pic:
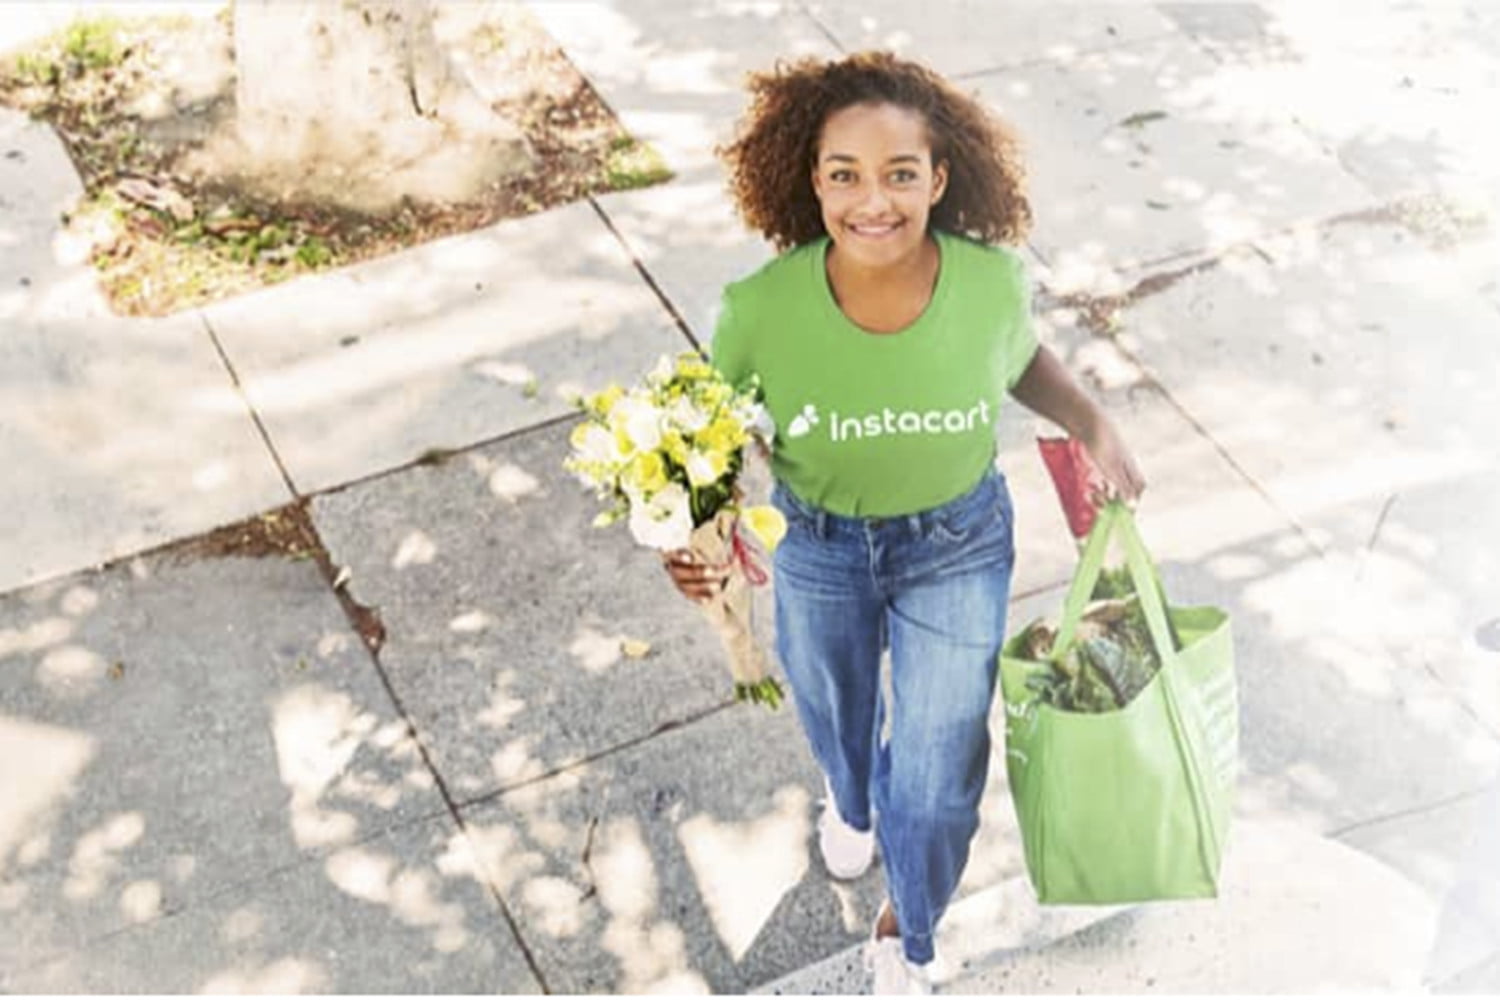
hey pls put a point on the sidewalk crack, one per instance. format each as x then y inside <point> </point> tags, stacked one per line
<point>239,388</point>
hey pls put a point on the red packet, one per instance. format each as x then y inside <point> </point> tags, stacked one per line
<point>1076,481</point>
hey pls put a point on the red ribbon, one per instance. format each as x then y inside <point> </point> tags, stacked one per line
<point>749,563</point>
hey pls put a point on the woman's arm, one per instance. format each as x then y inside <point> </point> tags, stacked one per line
<point>1048,390</point>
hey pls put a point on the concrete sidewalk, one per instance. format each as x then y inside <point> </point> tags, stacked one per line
<point>210,781</point>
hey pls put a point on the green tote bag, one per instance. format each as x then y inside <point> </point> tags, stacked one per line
<point>1134,804</point>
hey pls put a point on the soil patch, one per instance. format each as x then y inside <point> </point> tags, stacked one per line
<point>134,100</point>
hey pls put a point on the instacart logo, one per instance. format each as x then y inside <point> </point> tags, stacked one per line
<point>887,422</point>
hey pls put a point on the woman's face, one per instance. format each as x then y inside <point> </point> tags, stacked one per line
<point>876,182</point>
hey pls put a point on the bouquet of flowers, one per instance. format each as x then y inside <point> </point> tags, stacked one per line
<point>666,456</point>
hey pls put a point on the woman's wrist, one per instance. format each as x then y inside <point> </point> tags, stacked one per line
<point>1089,422</point>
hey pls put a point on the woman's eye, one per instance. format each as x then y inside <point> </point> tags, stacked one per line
<point>841,176</point>
<point>903,176</point>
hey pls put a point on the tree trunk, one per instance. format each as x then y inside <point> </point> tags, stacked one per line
<point>354,102</point>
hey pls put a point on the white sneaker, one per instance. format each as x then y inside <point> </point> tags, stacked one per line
<point>894,975</point>
<point>847,852</point>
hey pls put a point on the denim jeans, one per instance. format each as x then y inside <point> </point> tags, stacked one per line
<point>932,588</point>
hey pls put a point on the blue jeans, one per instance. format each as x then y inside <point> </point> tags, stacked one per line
<point>932,588</point>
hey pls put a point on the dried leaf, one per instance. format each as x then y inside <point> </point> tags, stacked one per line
<point>635,648</point>
<point>1141,118</point>
<point>163,199</point>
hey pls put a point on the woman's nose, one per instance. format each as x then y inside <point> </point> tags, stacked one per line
<point>874,196</point>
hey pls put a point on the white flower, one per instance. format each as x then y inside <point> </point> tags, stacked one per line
<point>758,419</point>
<point>701,469</point>
<point>595,444</point>
<point>687,416</point>
<point>641,420</point>
<point>662,371</point>
<point>663,522</point>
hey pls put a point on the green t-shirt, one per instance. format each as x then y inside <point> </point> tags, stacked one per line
<point>877,425</point>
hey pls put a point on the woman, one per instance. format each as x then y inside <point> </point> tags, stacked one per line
<point>885,336</point>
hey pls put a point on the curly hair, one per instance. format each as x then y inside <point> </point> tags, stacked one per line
<point>772,157</point>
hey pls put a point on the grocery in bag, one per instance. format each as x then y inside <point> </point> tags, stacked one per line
<point>1124,804</point>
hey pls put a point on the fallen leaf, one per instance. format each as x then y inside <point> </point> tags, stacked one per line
<point>159,197</point>
<point>635,648</point>
<point>116,671</point>
<point>1141,118</point>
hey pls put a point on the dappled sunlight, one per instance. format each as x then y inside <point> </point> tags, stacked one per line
<point>96,854</point>
<point>141,901</point>
<point>416,549</point>
<point>505,372</point>
<point>511,482</point>
<point>472,622</point>
<point>317,732</point>
<point>71,672</point>
<point>493,852</point>
<point>595,651</point>
<point>504,705</point>
<point>652,953</point>
<point>685,73</point>
<point>39,767</point>
<point>1146,110</point>
<point>412,896</point>
<point>280,976</point>
<point>744,869</point>
<point>534,307</point>
<point>516,761</point>
<point>35,637</point>
<point>558,904</point>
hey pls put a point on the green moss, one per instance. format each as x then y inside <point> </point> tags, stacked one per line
<point>630,164</point>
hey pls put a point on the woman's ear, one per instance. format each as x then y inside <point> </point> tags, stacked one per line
<point>939,181</point>
<point>817,181</point>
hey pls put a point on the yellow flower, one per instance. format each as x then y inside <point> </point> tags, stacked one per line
<point>723,435</point>
<point>675,447</point>
<point>691,366</point>
<point>646,474</point>
<point>604,401</point>
<point>766,523</point>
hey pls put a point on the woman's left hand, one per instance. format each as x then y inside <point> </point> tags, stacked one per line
<point>1122,477</point>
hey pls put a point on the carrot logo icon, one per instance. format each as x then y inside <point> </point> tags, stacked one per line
<point>803,422</point>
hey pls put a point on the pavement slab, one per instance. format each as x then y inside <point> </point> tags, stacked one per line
<point>44,270</point>
<point>1450,851</point>
<point>403,912</point>
<point>966,37</point>
<point>1398,93</point>
<point>684,864</point>
<point>1342,395</point>
<point>1418,582</point>
<point>172,729</point>
<point>674,74</point>
<point>1142,153</point>
<point>117,436</point>
<point>442,346</point>
<point>1368,433</point>
<point>504,613</point>
<point>1281,889</point>
<point>673,71</point>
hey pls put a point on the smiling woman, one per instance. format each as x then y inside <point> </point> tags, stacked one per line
<point>894,319</point>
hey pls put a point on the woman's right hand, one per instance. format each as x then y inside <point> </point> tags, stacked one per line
<point>698,581</point>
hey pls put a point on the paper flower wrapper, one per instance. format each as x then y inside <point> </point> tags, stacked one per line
<point>716,542</point>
